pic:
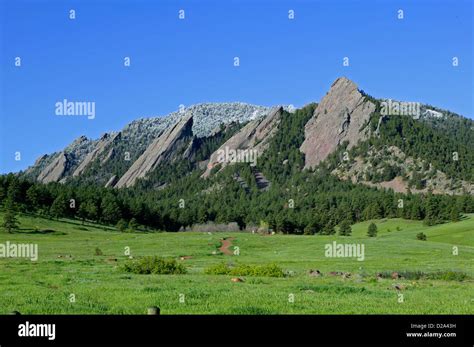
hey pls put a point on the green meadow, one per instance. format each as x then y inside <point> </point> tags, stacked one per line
<point>78,271</point>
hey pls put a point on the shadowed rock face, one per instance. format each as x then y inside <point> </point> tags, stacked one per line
<point>101,145</point>
<point>340,116</point>
<point>166,147</point>
<point>112,180</point>
<point>55,170</point>
<point>59,165</point>
<point>254,136</point>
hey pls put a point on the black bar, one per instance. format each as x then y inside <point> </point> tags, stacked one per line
<point>223,330</point>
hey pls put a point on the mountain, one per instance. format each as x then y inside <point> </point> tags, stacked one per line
<point>384,143</point>
<point>114,153</point>
<point>342,115</point>
<point>351,157</point>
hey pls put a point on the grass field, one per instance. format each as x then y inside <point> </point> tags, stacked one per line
<point>68,264</point>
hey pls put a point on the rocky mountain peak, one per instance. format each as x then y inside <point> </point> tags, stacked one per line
<point>340,116</point>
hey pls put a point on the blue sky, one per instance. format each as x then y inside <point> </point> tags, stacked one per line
<point>190,61</point>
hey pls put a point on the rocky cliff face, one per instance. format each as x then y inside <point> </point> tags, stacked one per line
<point>340,116</point>
<point>192,134</point>
<point>57,166</point>
<point>99,147</point>
<point>116,152</point>
<point>165,147</point>
<point>55,170</point>
<point>251,140</point>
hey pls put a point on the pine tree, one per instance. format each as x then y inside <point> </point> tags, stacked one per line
<point>345,228</point>
<point>110,209</point>
<point>432,210</point>
<point>416,212</point>
<point>10,222</point>
<point>372,231</point>
<point>87,210</point>
<point>32,197</point>
<point>328,229</point>
<point>14,191</point>
<point>59,208</point>
<point>455,216</point>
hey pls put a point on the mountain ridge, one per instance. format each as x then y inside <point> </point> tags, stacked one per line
<point>345,117</point>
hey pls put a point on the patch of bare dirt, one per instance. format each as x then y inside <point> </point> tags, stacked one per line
<point>226,243</point>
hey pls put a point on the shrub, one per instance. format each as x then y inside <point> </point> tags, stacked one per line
<point>437,275</point>
<point>269,270</point>
<point>154,265</point>
<point>308,230</point>
<point>218,269</point>
<point>122,225</point>
<point>133,224</point>
<point>421,236</point>
<point>448,276</point>
<point>408,275</point>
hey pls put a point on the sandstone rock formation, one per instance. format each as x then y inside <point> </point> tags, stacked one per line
<point>254,136</point>
<point>100,146</point>
<point>137,136</point>
<point>58,166</point>
<point>165,147</point>
<point>55,170</point>
<point>340,116</point>
<point>111,182</point>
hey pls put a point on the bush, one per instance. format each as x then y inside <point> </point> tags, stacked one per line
<point>133,224</point>
<point>122,225</point>
<point>269,270</point>
<point>421,236</point>
<point>448,276</point>
<point>437,275</point>
<point>154,265</point>
<point>218,269</point>
<point>407,275</point>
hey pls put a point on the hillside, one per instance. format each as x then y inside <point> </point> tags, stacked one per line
<point>86,260</point>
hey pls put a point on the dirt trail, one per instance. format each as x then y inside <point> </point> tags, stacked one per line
<point>225,244</point>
